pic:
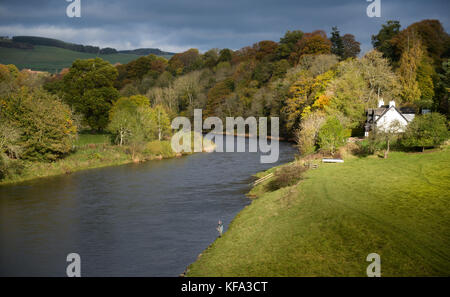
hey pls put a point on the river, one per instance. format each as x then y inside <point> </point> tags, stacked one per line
<point>148,219</point>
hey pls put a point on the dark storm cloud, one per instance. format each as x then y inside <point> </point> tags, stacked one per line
<point>181,24</point>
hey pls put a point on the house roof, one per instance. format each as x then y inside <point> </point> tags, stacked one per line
<point>409,116</point>
<point>386,110</point>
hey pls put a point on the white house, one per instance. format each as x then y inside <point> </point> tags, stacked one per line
<point>384,116</point>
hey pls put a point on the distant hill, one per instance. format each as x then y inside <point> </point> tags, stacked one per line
<point>35,40</point>
<point>53,59</point>
<point>52,55</point>
<point>147,51</point>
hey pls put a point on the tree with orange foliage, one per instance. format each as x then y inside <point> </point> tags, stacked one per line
<point>314,43</point>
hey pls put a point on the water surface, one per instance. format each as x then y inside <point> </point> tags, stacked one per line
<point>149,219</point>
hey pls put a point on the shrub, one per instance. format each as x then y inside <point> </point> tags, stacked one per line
<point>47,131</point>
<point>286,176</point>
<point>426,131</point>
<point>332,135</point>
<point>156,148</point>
<point>306,136</point>
<point>9,167</point>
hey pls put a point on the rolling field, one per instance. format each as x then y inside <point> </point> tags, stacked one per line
<point>53,59</point>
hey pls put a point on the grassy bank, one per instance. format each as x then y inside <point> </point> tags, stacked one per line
<point>329,222</point>
<point>95,151</point>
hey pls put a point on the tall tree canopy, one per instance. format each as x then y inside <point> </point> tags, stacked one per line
<point>88,88</point>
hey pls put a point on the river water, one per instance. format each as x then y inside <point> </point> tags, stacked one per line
<point>148,219</point>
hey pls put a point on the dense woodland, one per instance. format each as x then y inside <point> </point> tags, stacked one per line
<point>316,84</point>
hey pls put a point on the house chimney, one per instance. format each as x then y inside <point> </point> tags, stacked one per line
<point>392,103</point>
<point>380,103</point>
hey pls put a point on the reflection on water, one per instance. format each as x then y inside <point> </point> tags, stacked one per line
<point>149,219</point>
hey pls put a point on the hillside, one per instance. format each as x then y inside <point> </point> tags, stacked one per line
<point>52,59</point>
<point>148,51</point>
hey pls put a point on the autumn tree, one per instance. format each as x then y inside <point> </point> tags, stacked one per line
<point>381,80</point>
<point>184,62</point>
<point>352,48</point>
<point>432,36</point>
<point>407,71</point>
<point>217,95</point>
<point>314,43</point>
<point>306,135</point>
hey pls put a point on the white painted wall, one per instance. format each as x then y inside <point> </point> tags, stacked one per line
<point>388,118</point>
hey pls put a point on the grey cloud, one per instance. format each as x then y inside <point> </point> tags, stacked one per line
<point>181,24</point>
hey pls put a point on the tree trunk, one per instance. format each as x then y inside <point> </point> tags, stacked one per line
<point>423,149</point>
<point>386,152</point>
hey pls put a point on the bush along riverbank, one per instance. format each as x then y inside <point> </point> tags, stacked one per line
<point>325,221</point>
<point>91,151</point>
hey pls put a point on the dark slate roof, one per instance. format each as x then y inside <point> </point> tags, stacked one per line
<point>407,110</point>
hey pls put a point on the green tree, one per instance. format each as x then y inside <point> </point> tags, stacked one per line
<point>382,41</point>
<point>133,125</point>
<point>123,117</point>
<point>96,105</point>
<point>225,55</point>
<point>288,43</point>
<point>426,131</point>
<point>88,88</point>
<point>424,75</point>
<point>388,135</point>
<point>332,135</point>
<point>441,100</point>
<point>337,44</point>
<point>163,127</point>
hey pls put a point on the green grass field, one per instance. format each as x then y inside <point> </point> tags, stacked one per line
<point>52,59</point>
<point>87,138</point>
<point>328,223</point>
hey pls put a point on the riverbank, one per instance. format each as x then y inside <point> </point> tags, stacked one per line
<point>87,157</point>
<point>327,223</point>
<point>95,151</point>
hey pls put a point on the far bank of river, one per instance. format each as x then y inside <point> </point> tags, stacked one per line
<point>95,155</point>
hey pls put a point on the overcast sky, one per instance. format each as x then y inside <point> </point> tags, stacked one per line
<point>177,25</point>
